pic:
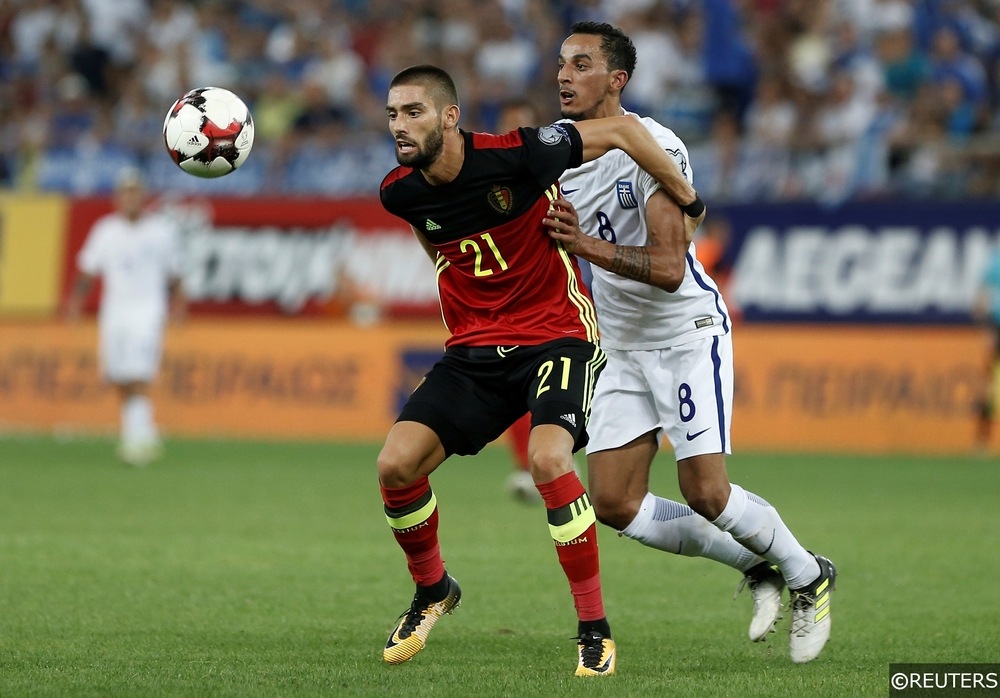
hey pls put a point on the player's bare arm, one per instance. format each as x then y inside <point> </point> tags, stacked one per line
<point>177,303</point>
<point>81,289</point>
<point>627,133</point>
<point>660,263</point>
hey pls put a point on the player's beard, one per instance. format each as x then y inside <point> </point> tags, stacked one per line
<point>426,154</point>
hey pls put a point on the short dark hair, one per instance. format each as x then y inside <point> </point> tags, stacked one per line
<point>436,80</point>
<point>618,49</point>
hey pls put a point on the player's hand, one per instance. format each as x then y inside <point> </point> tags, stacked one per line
<point>563,223</point>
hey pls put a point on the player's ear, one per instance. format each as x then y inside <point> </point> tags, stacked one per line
<point>451,114</point>
<point>619,78</point>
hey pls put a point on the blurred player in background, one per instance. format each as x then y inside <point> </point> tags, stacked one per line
<point>517,112</point>
<point>137,255</point>
<point>666,331</point>
<point>514,114</point>
<point>987,312</point>
<point>711,244</point>
<point>523,335</point>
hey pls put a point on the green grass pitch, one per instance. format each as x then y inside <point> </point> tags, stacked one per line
<point>242,569</point>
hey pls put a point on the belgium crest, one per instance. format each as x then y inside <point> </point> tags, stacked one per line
<point>501,198</point>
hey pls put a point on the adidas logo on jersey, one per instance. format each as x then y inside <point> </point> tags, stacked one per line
<point>431,225</point>
<point>569,417</point>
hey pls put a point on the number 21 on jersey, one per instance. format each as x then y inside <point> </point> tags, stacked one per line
<point>472,245</point>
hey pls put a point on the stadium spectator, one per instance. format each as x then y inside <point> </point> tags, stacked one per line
<point>950,63</point>
<point>74,114</point>
<point>698,58</point>
<point>506,57</point>
<point>890,16</point>
<point>91,61</point>
<point>30,29</point>
<point>723,172</point>
<point>917,143</point>
<point>667,335</point>
<point>338,69</point>
<point>119,26</point>
<point>904,66</point>
<point>523,335</point>
<point>652,32</point>
<point>172,25</point>
<point>276,107</point>
<point>769,129</point>
<point>136,254</point>
<point>837,128</point>
<point>729,64</point>
<point>856,57</point>
<point>319,123</point>
<point>690,102</point>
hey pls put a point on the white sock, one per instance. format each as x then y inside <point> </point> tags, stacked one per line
<point>137,421</point>
<point>677,528</point>
<point>129,424</point>
<point>755,524</point>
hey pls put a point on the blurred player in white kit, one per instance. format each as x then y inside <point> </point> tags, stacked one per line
<point>137,255</point>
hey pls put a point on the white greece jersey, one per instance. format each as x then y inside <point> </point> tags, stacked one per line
<point>610,194</point>
<point>135,261</point>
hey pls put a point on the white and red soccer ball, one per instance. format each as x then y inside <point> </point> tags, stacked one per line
<point>208,132</point>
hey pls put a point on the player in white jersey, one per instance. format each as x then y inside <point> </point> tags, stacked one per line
<point>666,331</point>
<point>138,258</point>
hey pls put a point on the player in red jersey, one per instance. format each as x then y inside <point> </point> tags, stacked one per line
<point>523,333</point>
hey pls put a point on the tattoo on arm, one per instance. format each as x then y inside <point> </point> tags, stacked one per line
<point>632,263</point>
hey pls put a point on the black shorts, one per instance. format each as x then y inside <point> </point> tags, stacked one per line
<point>473,394</point>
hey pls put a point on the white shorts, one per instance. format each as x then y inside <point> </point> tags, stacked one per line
<point>131,349</point>
<point>684,391</point>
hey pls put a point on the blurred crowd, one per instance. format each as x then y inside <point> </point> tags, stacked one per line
<point>822,100</point>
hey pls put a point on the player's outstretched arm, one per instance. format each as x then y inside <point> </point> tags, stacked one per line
<point>627,133</point>
<point>177,304</point>
<point>661,262</point>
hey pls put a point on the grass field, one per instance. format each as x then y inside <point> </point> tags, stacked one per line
<point>246,569</point>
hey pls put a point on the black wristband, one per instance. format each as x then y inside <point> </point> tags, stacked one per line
<point>695,208</point>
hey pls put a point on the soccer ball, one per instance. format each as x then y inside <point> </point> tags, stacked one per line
<point>208,132</point>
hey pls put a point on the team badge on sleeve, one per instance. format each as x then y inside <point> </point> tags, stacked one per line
<point>550,135</point>
<point>682,162</point>
<point>626,196</point>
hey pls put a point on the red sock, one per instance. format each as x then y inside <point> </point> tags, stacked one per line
<point>413,516</point>
<point>574,529</point>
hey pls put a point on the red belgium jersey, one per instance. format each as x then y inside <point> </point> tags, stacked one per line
<point>501,279</point>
